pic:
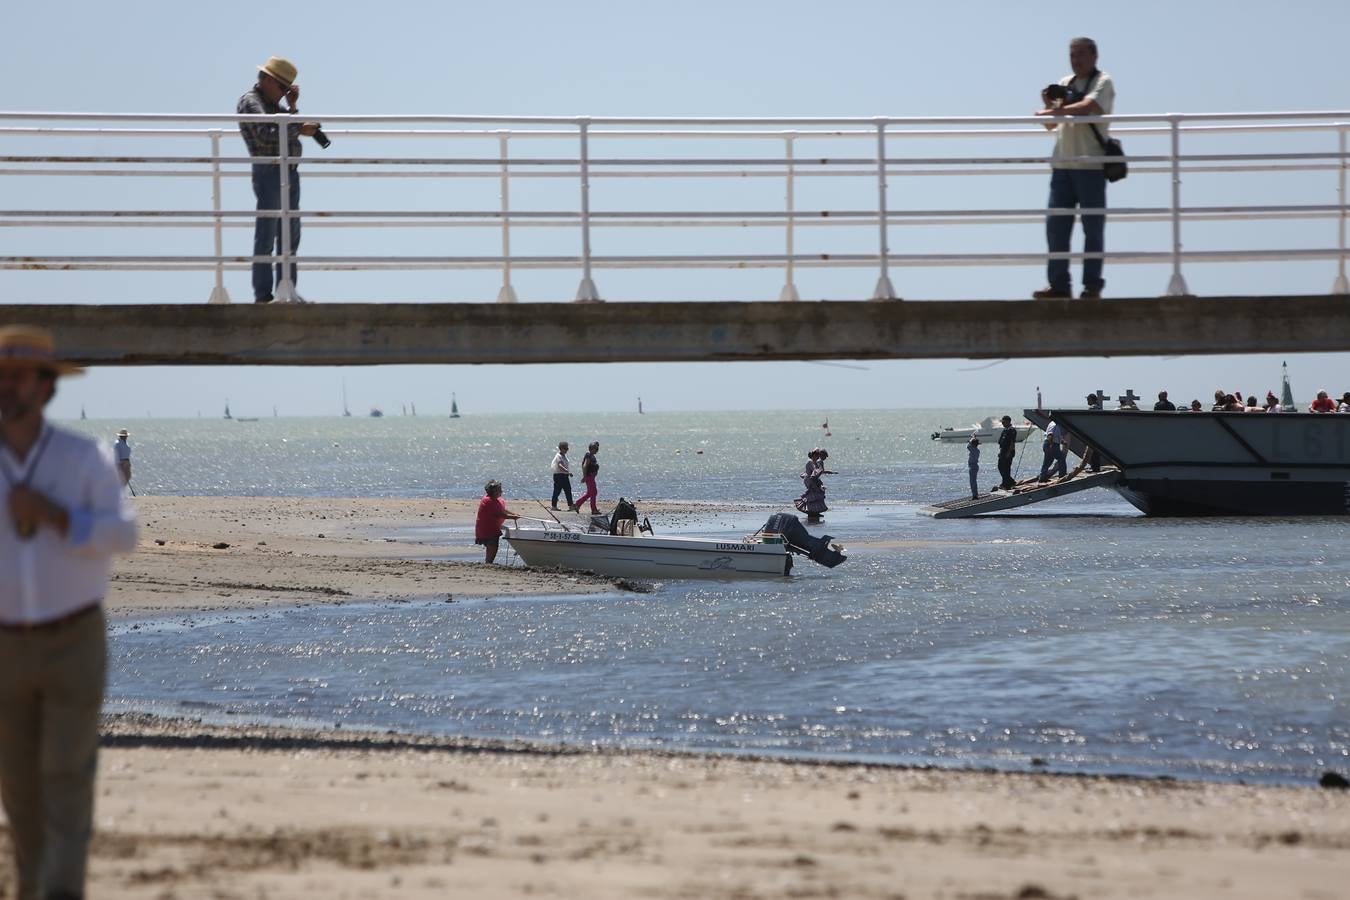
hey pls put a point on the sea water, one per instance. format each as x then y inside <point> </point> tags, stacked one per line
<point>1075,635</point>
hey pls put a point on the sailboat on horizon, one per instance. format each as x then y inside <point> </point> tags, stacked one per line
<point>345,411</point>
<point>227,409</point>
<point>454,407</point>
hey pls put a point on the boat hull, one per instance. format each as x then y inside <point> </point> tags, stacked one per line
<point>1223,464</point>
<point>649,557</point>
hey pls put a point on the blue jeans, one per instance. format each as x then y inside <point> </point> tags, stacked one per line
<point>267,231</point>
<point>1071,188</point>
<point>1055,463</point>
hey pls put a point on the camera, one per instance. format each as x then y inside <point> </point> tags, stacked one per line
<point>321,139</point>
<point>1061,93</point>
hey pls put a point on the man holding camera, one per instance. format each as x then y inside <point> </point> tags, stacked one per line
<point>1074,182</point>
<point>276,82</point>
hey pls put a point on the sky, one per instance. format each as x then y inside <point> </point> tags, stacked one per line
<point>696,58</point>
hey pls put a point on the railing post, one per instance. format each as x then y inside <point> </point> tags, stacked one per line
<point>789,292</point>
<point>1341,286</point>
<point>285,292</point>
<point>218,293</point>
<point>884,289</point>
<point>586,293</point>
<point>507,294</point>
<point>1176,287</point>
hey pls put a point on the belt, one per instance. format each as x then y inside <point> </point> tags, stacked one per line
<point>50,625</point>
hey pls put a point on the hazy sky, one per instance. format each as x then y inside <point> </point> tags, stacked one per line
<point>695,58</point>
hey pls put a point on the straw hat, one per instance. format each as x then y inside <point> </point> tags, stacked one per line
<point>27,345</point>
<point>124,433</point>
<point>282,70</point>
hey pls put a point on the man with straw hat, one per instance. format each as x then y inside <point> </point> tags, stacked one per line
<point>122,454</point>
<point>276,82</point>
<point>63,519</point>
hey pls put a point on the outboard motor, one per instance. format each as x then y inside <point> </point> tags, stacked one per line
<point>797,539</point>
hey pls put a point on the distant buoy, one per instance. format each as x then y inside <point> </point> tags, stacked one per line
<point>698,452</point>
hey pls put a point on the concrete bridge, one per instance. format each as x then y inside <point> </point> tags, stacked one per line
<point>403,333</point>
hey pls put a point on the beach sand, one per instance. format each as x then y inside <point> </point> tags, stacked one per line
<point>187,809</point>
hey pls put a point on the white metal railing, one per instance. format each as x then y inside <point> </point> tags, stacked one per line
<point>872,155</point>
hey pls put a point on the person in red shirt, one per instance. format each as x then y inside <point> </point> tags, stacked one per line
<point>1323,404</point>
<point>492,512</point>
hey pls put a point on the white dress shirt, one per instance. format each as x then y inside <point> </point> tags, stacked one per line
<point>50,575</point>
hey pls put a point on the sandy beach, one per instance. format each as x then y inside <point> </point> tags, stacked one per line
<point>189,809</point>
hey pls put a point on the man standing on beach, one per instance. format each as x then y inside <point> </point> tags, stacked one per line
<point>276,82</point>
<point>562,477</point>
<point>1073,183</point>
<point>65,516</point>
<point>1007,451</point>
<point>122,453</point>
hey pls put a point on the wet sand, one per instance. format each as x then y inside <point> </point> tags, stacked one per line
<point>187,809</point>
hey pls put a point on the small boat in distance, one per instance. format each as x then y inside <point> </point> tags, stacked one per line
<point>987,431</point>
<point>345,411</point>
<point>376,412</point>
<point>640,406</point>
<point>227,410</point>
<point>454,407</point>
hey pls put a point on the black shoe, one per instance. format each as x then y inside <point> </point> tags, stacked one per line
<point>555,509</point>
<point>267,299</point>
<point>1049,293</point>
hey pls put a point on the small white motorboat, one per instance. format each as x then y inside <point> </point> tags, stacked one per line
<point>613,546</point>
<point>987,431</point>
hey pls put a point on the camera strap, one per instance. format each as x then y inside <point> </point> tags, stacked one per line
<point>1087,89</point>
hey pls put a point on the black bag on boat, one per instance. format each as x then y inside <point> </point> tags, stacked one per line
<point>622,510</point>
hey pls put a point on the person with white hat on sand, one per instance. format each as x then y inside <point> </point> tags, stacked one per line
<point>122,453</point>
<point>64,517</point>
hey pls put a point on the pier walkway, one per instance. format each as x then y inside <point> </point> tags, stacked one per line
<point>125,232</point>
<point>965,507</point>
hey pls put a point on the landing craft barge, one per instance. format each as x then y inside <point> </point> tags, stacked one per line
<point>1220,463</point>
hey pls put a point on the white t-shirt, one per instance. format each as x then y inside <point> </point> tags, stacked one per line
<point>1078,140</point>
<point>122,451</point>
<point>560,466</point>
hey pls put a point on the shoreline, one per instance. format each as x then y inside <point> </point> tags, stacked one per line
<point>187,809</point>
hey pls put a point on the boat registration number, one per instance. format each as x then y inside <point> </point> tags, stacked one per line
<point>563,536</point>
<point>744,548</point>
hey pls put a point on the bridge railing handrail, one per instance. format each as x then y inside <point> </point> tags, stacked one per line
<point>583,166</point>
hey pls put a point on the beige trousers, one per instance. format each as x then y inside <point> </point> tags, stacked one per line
<point>51,693</point>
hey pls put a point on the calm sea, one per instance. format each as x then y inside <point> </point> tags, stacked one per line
<point>1076,633</point>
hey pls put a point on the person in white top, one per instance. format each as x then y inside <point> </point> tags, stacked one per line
<point>562,477</point>
<point>1074,181</point>
<point>122,453</point>
<point>65,516</point>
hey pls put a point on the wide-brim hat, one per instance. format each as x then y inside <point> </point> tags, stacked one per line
<point>28,345</point>
<point>281,69</point>
<point>124,433</point>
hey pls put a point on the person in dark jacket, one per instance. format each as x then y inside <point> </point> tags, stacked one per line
<point>973,461</point>
<point>1007,450</point>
